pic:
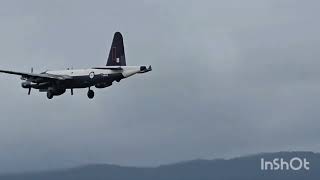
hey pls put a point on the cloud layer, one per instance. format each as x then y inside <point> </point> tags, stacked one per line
<point>230,78</point>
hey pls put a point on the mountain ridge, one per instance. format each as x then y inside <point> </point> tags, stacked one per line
<point>237,168</point>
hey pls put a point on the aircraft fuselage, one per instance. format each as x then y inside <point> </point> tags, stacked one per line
<point>84,78</point>
<point>99,77</point>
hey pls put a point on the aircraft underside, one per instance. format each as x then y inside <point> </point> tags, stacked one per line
<point>56,88</point>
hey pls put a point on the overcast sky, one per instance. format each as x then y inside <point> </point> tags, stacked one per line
<point>230,78</point>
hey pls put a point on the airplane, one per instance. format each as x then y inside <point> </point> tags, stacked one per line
<point>55,83</point>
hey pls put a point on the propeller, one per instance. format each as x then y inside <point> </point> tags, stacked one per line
<point>71,90</point>
<point>29,90</point>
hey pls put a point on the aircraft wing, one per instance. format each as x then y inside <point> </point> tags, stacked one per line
<point>33,75</point>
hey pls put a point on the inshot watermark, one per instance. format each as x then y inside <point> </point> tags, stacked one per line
<point>278,164</point>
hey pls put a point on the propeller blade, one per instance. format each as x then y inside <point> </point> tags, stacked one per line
<point>29,91</point>
<point>32,70</point>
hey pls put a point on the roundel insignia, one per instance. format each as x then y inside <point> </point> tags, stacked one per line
<point>91,75</point>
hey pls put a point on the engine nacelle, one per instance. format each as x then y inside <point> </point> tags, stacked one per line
<point>28,84</point>
<point>57,92</point>
<point>103,85</point>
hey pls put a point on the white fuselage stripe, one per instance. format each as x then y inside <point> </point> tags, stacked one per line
<point>125,70</point>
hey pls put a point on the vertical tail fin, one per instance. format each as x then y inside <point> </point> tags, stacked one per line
<point>116,55</point>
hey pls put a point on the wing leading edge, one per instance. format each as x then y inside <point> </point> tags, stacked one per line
<point>33,75</point>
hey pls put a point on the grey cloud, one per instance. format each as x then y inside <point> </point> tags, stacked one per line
<point>230,78</point>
